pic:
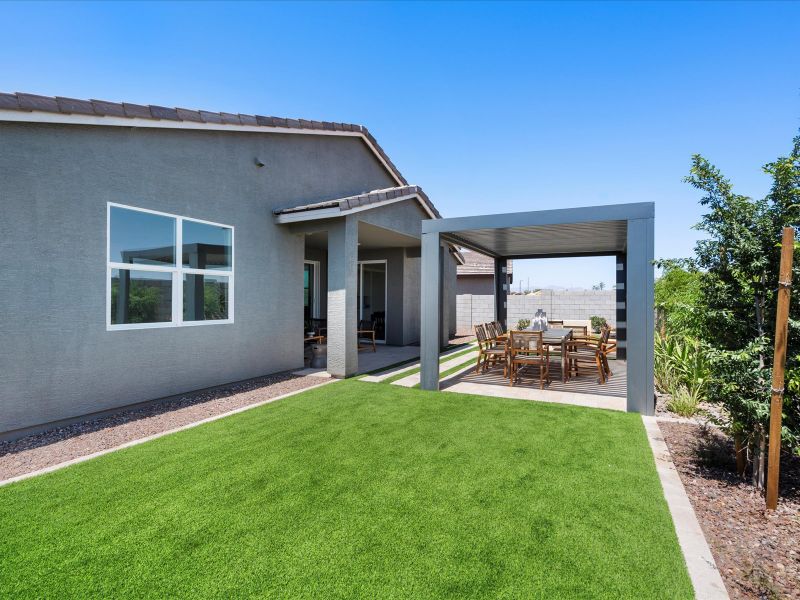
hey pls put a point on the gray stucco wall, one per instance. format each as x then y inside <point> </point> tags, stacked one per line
<point>57,360</point>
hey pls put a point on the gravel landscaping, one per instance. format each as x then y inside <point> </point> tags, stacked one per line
<point>80,439</point>
<point>756,551</point>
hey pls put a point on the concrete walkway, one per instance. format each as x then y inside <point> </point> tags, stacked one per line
<point>703,572</point>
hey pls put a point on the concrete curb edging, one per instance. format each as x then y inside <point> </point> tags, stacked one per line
<point>703,572</point>
<point>80,459</point>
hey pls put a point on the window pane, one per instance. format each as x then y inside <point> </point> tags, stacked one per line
<point>205,297</point>
<point>206,246</point>
<point>141,238</point>
<point>140,297</point>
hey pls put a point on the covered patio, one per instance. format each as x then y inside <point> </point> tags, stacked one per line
<point>624,231</point>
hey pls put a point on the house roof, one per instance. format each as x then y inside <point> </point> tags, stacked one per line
<point>363,201</point>
<point>13,107</point>
<point>479,264</point>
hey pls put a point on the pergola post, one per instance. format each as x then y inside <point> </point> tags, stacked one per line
<point>430,311</point>
<point>621,306</point>
<point>501,290</point>
<point>639,316</point>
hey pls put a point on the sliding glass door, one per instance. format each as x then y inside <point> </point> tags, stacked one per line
<point>372,296</point>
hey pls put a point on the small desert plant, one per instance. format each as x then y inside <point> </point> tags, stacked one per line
<point>681,362</point>
<point>523,324</point>
<point>684,402</point>
<point>598,323</point>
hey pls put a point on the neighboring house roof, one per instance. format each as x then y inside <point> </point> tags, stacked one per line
<point>479,264</point>
<point>101,112</point>
<point>340,206</point>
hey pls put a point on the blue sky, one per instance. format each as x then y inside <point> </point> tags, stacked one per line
<point>490,107</point>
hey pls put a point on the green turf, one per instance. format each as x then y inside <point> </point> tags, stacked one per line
<point>356,490</point>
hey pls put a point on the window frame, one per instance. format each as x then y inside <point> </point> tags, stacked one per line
<point>177,272</point>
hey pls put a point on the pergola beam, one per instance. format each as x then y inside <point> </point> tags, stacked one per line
<point>560,216</point>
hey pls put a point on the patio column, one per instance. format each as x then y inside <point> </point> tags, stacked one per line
<point>639,316</point>
<point>430,318</point>
<point>622,301</point>
<point>501,290</point>
<point>342,297</point>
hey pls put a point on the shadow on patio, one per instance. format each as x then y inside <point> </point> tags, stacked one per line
<point>581,391</point>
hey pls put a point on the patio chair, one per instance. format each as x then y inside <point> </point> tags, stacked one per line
<point>585,350</point>
<point>557,324</point>
<point>488,351</point>
<point>527,349</point>
<point>500,335</point>
<point>366,333</point>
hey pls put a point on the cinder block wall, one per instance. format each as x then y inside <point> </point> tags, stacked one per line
<point>558,304</point>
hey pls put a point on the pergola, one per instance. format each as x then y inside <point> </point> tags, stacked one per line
<point>624,231</point>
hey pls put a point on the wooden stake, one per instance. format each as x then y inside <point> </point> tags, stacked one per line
<point>781,330</point>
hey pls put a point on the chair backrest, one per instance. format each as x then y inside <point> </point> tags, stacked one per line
<point>480,333</point>
<point>365,325</point>
<point>498,327</point>
<point>558,324</point>
<point>491,330</point>
<point>605,332</point>
<point>526,342</point>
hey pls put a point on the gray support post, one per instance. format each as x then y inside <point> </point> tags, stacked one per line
<point>622,300</point>
<point>342,298</point>
<point>501,290</point>
<point>430,308</point>
<point>639,318</point>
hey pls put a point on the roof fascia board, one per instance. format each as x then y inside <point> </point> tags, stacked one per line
<point>336,211</point>
<point>560,216</point>
<point>77,119</point>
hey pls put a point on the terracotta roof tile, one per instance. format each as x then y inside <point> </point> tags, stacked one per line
<point>9,102</point>
<point>71,105</point>
<point>184,114</point>
<point>162,112</point>
<point>41,103</point>
<point>137,110</point>
<point>108,109</point>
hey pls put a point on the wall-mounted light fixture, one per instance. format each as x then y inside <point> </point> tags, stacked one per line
<point>259,162</point>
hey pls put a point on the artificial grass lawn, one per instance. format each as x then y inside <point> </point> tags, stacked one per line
<point>357,490</point>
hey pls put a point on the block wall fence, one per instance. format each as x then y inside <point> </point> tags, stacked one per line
<point>472,309</point>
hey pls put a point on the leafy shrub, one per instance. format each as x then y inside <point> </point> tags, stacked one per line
<point>683,402</point>
<point>598,323</point>
<point>523,324</point>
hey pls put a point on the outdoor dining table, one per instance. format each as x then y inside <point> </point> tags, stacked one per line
<point>555,337</point>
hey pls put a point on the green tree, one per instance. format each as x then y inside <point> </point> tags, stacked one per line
<point>737,292</point>
<point>678,300</point>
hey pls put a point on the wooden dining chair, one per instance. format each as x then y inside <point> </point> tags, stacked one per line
<point>500,339</point>
<point>527,349</point>
<point>556,324</point>
<point>488,351</point>
<point>366,333</point>
<point>585,350</point>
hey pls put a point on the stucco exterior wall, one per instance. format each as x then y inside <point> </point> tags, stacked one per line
<point>57,360</point>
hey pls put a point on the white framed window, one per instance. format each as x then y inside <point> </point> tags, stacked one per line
<point>166,270</point>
